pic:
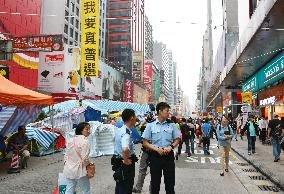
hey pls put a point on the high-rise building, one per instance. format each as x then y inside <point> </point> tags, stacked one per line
<point>148,39</point>
<point>175,81</point>
<point>161,59</point>
<point>125,33</point>
<point>63,17</point>
<point>171,96</point>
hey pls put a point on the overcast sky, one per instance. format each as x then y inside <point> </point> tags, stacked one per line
<point>184,38</point>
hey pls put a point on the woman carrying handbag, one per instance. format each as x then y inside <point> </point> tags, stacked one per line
<point>78,169</point>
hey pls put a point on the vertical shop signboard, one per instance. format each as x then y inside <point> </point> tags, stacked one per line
<point>89,38</point>
<point>128,91</point>
<point>137,67</point>
<point>148,72</point>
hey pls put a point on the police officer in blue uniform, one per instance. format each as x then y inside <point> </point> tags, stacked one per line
<point>124,157</point>
<point>164,137</point>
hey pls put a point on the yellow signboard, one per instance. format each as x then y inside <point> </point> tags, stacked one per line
<point>89,38</point>
<point>219,109</point>
<point>247,97</point>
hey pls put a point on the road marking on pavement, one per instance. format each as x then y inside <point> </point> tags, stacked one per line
<point>212,160</point>
<point>204,160</point>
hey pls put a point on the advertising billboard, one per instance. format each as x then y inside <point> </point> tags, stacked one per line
<point>140,95</point>
<point>58,72</point>
<point>38,43</point>
<point>112,83</point>
<point>93,85</point>
<point>89,38</point>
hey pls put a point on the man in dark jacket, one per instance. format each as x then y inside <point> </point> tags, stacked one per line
<point>185,131</point>
<point>275,128</point>
<point>252,130</point>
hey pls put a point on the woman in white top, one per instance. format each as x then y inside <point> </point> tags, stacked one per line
<point>76,160</point>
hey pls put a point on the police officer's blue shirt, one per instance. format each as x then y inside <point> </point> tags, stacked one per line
<point>161,134</point>
<point>123,139</point>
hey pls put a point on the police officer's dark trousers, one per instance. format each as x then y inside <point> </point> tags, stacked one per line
<point>165,164</point>
<point>126,186</point>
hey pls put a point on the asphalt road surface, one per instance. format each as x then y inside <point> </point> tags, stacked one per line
<point>195,174</point>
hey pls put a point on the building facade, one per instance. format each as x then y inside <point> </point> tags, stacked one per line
<point>63,17</point>
<point>148,39</point>
<point>125,31</point>
<point>245,58</point>
<point>161,59</point>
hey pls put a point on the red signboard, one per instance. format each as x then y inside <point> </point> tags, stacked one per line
<point>128,91</point>
<point>148,73</point>
<point>38,43</point>
<point>54,58</point>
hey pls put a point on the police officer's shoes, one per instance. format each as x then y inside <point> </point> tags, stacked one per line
<point>136,190</point>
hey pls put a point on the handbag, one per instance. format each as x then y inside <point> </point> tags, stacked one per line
<point>90,168</point>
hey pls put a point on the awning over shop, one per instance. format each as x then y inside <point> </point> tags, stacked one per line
<point>13,94</point>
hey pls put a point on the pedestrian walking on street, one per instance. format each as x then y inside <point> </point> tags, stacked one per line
<point>185,131</point>
<point>225,135</point>
<point>191,134</point>
<point>252,130</point>
<point>275,129</point>
<point>144,161</point>
<point>124,157</point>
<point>161,137</point>
<point>76,160</point>
<point>206,128</point>
<point>233,125</point>
<point>263,126</point>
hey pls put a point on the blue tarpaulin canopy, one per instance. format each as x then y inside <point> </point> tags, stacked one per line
<point>104,106</point>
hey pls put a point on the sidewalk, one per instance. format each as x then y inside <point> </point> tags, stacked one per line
<point>262,160</point>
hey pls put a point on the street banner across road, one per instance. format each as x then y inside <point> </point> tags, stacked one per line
<point>89,38</point>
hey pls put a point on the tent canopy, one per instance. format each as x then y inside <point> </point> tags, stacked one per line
<point>13,94</point>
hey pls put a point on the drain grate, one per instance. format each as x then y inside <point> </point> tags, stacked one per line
<point>269,188</point>
<point>249,170</point>
<point>243,164</point>
<point>258,177</point>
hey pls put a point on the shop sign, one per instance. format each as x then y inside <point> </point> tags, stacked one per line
<point>148,73</point>
<point>219,109</point>
<point>137,67</point>
<point>90,38</point>
<point>128,91</point>
<point>272,72</point>
<point>247,98</point>
<point>38,43</point>
<point>4,71</point>
<point>268,101</point>
<point>251,85</point>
